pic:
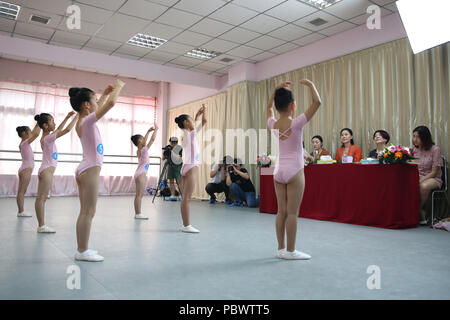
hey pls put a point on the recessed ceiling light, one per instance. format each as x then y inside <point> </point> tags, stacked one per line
<point>320,4</point>
<point>9,10</point>
<point>203,54</point>
<point>146,41</point>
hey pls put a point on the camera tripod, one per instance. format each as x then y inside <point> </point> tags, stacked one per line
<point>161,176</point>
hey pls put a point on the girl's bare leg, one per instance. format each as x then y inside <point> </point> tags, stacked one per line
<point>140,188</point>
<point>295,190</point>
<point>88,184</point>
<point>280,221</point>
<point>44,185</point>
<point>24,181</point>
<point>188,184</point>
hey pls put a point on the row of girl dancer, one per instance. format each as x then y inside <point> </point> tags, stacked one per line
<point>89,111</point>
<point>289,176</point>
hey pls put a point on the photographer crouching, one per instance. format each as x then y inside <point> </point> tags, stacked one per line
<point>218,180</point>
<point>241,186</point>
<point>174,167</point>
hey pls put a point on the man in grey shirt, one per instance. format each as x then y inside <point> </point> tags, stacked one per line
<point>218,182</point>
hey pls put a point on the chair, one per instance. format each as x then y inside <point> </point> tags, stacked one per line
<point>443,189</point>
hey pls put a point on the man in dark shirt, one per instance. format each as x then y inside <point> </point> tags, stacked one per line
<point>241,186</point>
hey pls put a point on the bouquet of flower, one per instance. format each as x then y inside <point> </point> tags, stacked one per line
<point>263,160</point>
<point>396,154</point>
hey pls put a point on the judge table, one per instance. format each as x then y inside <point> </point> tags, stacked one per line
<point>384,196</point>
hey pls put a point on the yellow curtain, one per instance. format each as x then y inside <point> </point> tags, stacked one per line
<point>384,87</point>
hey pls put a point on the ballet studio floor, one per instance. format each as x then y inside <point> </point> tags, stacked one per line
<point>232,258</point>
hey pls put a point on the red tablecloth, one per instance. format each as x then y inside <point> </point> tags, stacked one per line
<point>385,196</point>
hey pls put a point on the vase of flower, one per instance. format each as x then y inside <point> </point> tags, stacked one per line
<point>396,155</point>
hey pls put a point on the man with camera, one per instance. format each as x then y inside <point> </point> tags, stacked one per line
<point>241,186</point>
<point>218,181</point>
<point>174,167</point>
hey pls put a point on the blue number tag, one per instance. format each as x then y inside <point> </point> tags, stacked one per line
<point>197,157</point>
<point>100,148</point>
<point>55,155</point>
<point>146,167</point>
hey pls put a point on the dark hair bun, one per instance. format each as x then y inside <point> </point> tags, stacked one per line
<point>74,91</point>
<point>18,129</point>
<point>36,117</point>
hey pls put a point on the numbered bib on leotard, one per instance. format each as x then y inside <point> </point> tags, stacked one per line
<point>100,148</point>
<point>197,157</point>
<point>146,167</point>
<point>55,155</point>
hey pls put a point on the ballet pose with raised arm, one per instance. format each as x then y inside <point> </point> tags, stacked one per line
<point>84,101</point>
<point>49,161</point>
<point>191,159</point>
<point>27,166</point>
<point>140,176</point>
<point>289,178</point>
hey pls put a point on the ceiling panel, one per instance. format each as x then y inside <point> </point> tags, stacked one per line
<point>143,9</point>
<point>291,10</point>
<point>25,15</point>
<point>263,24</point>
<point>7,25</point>
<point>211,27</point>
<point>245,52</point>
<point>162,31</point>
<point>199,7</point>
<point>176,48</point>
<point>220,45</point>
<point>233,14</point>
<point>186,61</point>
<point>32,30</point>
<point>284,48</point>
<point>121,27</point>
<point>133,50</point>
<point>362,19</point>
<point>70,38</point>
<point>58,7</point>
<point>265,43</point>
<point>160,56</point>
<point>258,5</point>
<point>87,28</point>
<point>111,5</point>
<point>94,14</point>
<point>239,35</point>
<point>103,44</point>
<point>309,39</point>
<point>383,2</point>
<point>289,32</point>
<point>348,9</point>
<point>340,27</point>
<point>263,56</point>
<point>191,38</point>
<point>178,18</point>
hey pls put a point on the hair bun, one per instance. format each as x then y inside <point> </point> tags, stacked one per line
<point>74,91</point>
<point>177,119</point>
<point>18,129</point>
<point>36,117</point>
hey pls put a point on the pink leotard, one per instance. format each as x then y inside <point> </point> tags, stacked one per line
<point>191,153</point>
<point>91,142</point>
<point>143,163</point>
<point>290,160</point>
<point>49,153</point>
<point>27,155</point>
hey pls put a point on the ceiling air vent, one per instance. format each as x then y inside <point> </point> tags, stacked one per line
<point>318,22</point>
<point>226,60</point>
<point>39,19</point>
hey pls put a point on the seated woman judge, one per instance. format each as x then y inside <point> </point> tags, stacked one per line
<point>318,150</point>
<point>241,186</point>
<point>430,163</point>
<point>348,147</point>
<point>381,139</point>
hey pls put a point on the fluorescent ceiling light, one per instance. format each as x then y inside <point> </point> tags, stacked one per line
<point>203,54</point>
<point>9,10</point>
<point>320,4</point>
<point>426,22</point>
<point>146,41</point>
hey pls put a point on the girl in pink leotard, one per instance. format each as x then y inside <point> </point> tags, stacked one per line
<point>84,101</point>
<point>49,161</point>
<point>140,177</point>
<point>191,159</point>
<point>289,178</point>
<point>27,166</point>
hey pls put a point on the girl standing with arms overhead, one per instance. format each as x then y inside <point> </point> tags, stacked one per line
<point>289,175</point>
<point>84,101</point>
<point>191,159</point>
<point>27,166</point>
<point>49,162</point>
<point>140,177</point>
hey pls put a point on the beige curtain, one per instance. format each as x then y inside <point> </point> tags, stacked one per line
<point>384,87</point>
